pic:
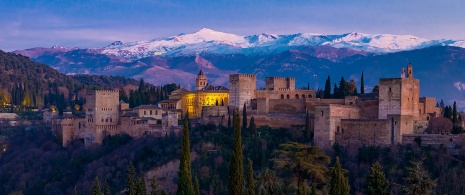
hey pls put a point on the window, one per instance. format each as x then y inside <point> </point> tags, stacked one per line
<point>310,96</point>
<point>145,112</point>
<point>303,96</point>
<point>322,113</point>
<point>102,119</point>
<point>282,96</point>
<point>296,96</point>
<point>287,96</point>
<point>150,112</point>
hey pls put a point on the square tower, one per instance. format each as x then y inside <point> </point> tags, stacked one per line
<point>279,83</point>
<point>102,114</point>
<point>241,89</point>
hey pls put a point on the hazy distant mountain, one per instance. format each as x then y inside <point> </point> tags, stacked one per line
<point>307,57</point>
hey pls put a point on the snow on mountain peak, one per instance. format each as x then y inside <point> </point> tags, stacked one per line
<point>211,41</point>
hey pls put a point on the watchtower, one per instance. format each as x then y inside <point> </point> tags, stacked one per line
<point>201,81</point>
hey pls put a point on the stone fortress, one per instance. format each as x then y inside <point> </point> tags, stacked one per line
<point>366,119</point>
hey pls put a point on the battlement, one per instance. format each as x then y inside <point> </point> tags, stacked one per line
<point>102,92</point>
<point>242,76</point>
<point>281,78</point>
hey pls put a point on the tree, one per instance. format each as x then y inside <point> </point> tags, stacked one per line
<point>418,181</point>
<point>305,162</point>
<point>335,91</point>
<point>313,190</point>
<point>244,117</point>
<point>236,168</point>
<point>250,179</point>
<point>96,187</point>
<point>327,91</point>
<point>196,186</point>
<point>376,182</point>
<point>439,125</point>
<point>154,186</point>
<point>362,85</point>
<point>229,121</point>
<point>185,173</point>
<point>106,188</point>
<point>375,89</point>
<point>352,85</point>
<point>454,114</point>
<point>339,184</point>
<point>268,183</point>
<point>131,182</point>
<point>141,188</point>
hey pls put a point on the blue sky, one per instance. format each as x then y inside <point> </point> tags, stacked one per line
<point>87,23</point>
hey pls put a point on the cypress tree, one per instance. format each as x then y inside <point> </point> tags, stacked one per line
<point>96,187</point>
<point>250,179</point>
<point>327,91</point>
<point>141,188</point>
<point>313,191</point>
<point>132,181</point>
<point>244,117</point>
<point>106,188</point>
<point>196,186</point>
<point>376,182</point>
<point>185,174</point>
<point>154,186</point>
<point>454,113</point>
<point>362,85</point>
<point>236,168</point>
<point>339,183</point>
<point>336,91</point>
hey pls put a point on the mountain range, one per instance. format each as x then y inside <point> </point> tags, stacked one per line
<point>310,58</point>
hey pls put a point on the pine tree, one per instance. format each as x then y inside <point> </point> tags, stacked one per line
<point>132,181</point>
<point>96,187</point>
<point>106,188</point>
<point>362,85</point>
<point>339,184</point>
<point>141,188</point>
<point>250,179</point>
<point>244,117</point>
<point>185,173</point>
<point>196,186</point>
<point>236,168</point>
<point>335,91</point>
<point>418,181</point>
<point>327,91</point>
<point>454,113</point>
<point>154,186</point>
<point>376,182</point>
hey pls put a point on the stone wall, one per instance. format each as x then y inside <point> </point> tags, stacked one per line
<point>279,83</point>
<point>285,94</point>
<point>364,132</point>
<point>287,106</point>
<point>215,115</point>
<point>278,120</point>
<point>328,119</point>
<point>436,140</point>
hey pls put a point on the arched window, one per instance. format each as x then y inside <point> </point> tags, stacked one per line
<point>322,113</point>
<point>310,96</point>
<point>296,96</point>
<point>303,96</point>
<point>338,129</point>
<point>282,96</point>
<point>287,96</point>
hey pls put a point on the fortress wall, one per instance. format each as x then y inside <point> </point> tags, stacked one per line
<point>364,132</point>
<point>215,115</point>
<point>389,97</point>
<point>280,120</point>
<point>369,109</point>
<point>241,89</point>
<point>410,97</point>
<point>287,106</point>
<point>276,83</point>
<point>328,119</point>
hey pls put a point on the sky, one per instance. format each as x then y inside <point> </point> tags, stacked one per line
<point>97,23</point>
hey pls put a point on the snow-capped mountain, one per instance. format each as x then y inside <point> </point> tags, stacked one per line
<point>210,41</point>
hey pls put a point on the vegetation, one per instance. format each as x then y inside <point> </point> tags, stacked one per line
<point>236,168</point>
<point>185,174</point>
<point>376,182</point>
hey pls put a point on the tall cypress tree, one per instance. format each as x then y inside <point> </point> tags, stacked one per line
<point>96,190</point>
<point>362,85</point>
<point>141,188</point>
<point>454,113</point>
<point>244,117</point>
<point>376,182</point>
<point>250,179</point>
<point>185,174</point>
<point>339,183</point>
<point>327,91</point>
<point>106,188</point>
<point>132,181</point>
<point>196,186</point>
<point>236,168</point>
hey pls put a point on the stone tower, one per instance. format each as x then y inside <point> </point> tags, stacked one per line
<point>102,114</point>
<point>399,96</point>
<point>201,81</point>
<point>241,89</point>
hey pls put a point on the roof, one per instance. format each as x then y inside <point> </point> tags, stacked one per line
<point>178,91</point>
<point>201,72</point>
<point>214,88</point>
<point>129,114</point>
<point>169,100</point>
<point>147,107</point>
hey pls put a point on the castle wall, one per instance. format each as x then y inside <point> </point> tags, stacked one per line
<point>215,115</point>
<point>287,106</point>
<point>278,120</point>
<point>328,120</point>
<point>285,94</point>
<point>364,132</point>
<point>102,110</point>
<point>279,83</point>
<point>410,97</point>
<point>241,89</point>
<point>369,109</point>
<point>389,97</point>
